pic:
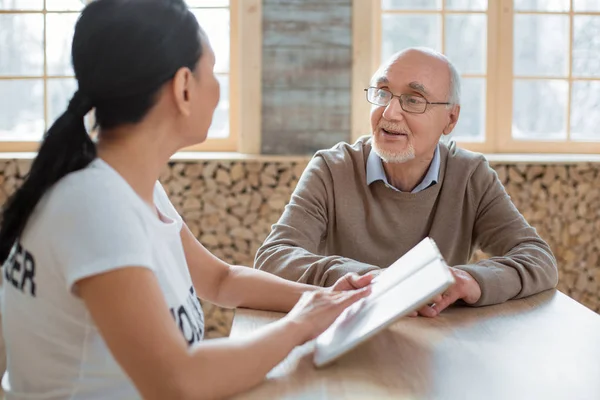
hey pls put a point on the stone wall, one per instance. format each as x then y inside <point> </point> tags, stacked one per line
<point>231,205</point>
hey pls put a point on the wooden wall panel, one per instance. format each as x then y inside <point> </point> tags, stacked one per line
<point>306,75</point>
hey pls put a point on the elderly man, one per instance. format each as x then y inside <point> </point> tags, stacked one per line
<point>358,208</point>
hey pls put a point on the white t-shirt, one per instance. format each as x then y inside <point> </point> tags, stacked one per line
<point>90,222</point>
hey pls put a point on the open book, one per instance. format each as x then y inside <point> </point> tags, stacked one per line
<point>405,286</point>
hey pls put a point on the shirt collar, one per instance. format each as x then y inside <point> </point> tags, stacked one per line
<point>375,171</point>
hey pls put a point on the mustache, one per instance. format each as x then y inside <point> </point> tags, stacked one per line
<point>393,127</point>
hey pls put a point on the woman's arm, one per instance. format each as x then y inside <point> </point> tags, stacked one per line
<point>237,286</point>
<point>133,318</point>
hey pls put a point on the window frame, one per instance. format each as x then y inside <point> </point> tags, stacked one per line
<point>14,146</point>
<point>244,100</point>
<point>500,78</point>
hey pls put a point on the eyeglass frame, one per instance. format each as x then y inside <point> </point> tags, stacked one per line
<point>427,102</point>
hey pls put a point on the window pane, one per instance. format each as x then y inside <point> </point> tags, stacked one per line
<point>21,109</point>
<point>220,122</point>
<point>470,5</point>
<point>466,42</point>
<point>541,45</point>
<point>60,29</point>
<point>411,4</point>
<point>541,5</point>
<point>586,5</point>
<point>208,3</point>
<point>60,92</point>
<point>21,5</point>
<point>471,122</point>
<point>22,48</point>
<point>539,109</point>
<point>65,5</point>
<point>586,46</point>
<point>216,25</point>
<point>585,103</point>
<point>401,31</point>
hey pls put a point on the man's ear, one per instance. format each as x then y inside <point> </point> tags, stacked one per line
<point>452,119</point>
<point>181,90</point>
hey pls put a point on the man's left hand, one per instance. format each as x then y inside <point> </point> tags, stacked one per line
<point>465,287</point>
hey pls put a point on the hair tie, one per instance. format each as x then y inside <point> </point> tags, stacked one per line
<point>79,105</point>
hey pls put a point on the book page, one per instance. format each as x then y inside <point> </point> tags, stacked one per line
<point>420,255</point>
<point>408,293</point>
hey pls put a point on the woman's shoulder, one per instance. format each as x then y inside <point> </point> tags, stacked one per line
<point>89,182</point>
<point>93,189</point>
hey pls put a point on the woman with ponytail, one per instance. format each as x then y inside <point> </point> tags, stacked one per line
<point>101,275</point>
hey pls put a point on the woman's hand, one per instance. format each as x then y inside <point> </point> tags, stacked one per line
<point>317,310</point>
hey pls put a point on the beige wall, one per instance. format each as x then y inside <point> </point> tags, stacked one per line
<point>230,206</point>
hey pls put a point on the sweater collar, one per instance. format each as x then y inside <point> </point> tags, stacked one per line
<point>375,171</point>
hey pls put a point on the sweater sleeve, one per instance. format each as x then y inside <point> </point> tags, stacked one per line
<point>290,250</point>
<point>521,263</point>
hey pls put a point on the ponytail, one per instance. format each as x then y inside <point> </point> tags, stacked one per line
<point>65,148</point>
<point>123,52</point>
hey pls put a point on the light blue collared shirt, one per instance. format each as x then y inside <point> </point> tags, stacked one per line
<point>375,171</point>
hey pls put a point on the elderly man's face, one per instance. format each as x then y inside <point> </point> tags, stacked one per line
<point>399,136</point>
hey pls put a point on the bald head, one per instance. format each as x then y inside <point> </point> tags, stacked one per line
<point>441,67</point>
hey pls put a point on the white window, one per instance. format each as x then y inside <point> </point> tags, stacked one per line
<point>530,68</point>
<point>36,77</point>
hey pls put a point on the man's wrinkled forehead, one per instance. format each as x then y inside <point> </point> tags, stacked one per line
<point>382,80</point>
<point>414,71</point>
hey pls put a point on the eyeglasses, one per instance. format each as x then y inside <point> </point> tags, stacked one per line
<point>409,102</point>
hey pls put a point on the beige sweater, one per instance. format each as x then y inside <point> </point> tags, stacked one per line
<point>336,224</point>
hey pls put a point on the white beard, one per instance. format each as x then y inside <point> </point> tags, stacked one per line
<point>391,157</point>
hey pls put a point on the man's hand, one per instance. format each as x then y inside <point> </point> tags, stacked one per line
<point>465,287</point>
<point>352,281</point>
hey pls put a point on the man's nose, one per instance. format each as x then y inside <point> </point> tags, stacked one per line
<point>393,111</point>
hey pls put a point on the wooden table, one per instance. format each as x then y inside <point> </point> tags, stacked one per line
<point>543,347</point>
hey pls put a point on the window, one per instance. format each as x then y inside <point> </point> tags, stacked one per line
<point>553,95</point>
<point>214,17</point>
<point>36,77</point>
<point>530,68</point>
